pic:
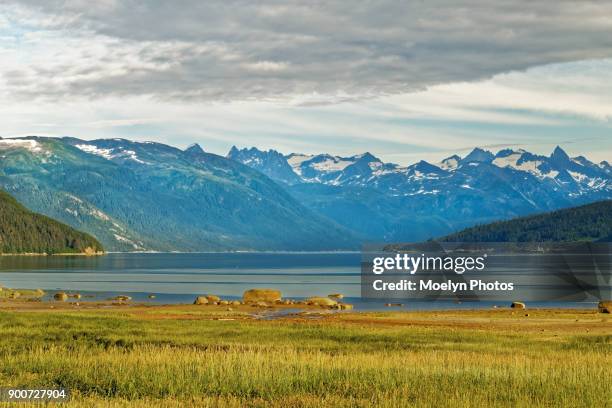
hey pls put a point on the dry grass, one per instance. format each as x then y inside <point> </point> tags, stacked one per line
<point>118,358</point>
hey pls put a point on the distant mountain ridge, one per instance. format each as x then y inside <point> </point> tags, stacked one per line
<point>23,231</point>
<point>591,222</point>
<point>387,202</point>
<point>136,196</point>
<point>366,169</point>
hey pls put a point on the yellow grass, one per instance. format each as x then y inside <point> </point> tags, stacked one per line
<point>136,357</point>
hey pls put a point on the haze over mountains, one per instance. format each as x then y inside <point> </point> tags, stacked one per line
<point>151,196</point>
<point>387,202</point>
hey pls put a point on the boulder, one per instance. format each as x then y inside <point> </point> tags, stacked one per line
<point>122,298</point>
<point>60,296</point>
<point>336,296</point>
<point>151,296</point>
<point>213,298</point>
<point>200,300</point>
<point>261,295</point>
<point>76,295</point>
<point>224,303</point>
<point>321,301</point>
<point>605,306</point>
<point>518,305</point>
<point>235,303</point>
<point>261,304</point>
<point>346,306</point>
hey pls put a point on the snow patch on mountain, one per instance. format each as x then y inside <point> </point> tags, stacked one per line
<point>128,241</point>
<point>523,161</point>
<point>28,144</point>
<point>450,163</point>
<point>110,154</point>
<point>295,160</point>
<point>332,164</point>
<point>91,149</point>
<point>99,214</point>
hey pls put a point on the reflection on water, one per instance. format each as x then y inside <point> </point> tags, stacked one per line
<point>176,278</point>
<point>225,274</point>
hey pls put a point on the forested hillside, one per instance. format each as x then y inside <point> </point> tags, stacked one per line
<point>138,196</point>
<point>23,231</point>
<point>592,222</point>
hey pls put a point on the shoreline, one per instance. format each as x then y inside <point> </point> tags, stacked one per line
<point>35,254</point>
<point>32,299</point>
<point>93,298</point>
<point>502,319</point>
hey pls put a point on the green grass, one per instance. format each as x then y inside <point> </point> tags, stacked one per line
<point>116,359</point>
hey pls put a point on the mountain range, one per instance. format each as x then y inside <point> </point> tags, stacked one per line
<point>137,196</point>
<point>150,196</point>
<point>386,202</point>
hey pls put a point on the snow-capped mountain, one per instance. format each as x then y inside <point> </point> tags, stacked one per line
<point>574,175</point>
<point>393,202</point>
<point>136,196</point>
<point>271,163</point>
<point>151,196</point>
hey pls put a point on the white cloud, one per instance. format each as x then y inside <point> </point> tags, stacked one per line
<point>406,81</point>
<point>267,66</point>
<point>430,124</point>
<point>234,50</point>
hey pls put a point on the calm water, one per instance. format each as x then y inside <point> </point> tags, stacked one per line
<point>176,278</point>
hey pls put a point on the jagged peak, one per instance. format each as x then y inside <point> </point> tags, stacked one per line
<point>253,150</point>
<point>479,155</point>
<point>559,154</point>
<point>194,148</point>
<point>423,165</point>
<point>367,157</point>
<point>232,152</point>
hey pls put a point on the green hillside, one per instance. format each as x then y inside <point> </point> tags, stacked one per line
<point>592,222</point>
<point>23,231</point>
<point>136,196</point>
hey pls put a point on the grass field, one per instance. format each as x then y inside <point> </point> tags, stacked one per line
<point>190,356</point>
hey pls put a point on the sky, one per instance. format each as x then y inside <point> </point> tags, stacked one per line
<point>403,80</point>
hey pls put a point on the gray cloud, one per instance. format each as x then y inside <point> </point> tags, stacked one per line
<point>240,50</point>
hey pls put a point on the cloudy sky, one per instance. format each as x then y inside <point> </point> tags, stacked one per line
<point>403,81</point>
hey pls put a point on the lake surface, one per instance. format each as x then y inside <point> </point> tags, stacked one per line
<point>177,278</point>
